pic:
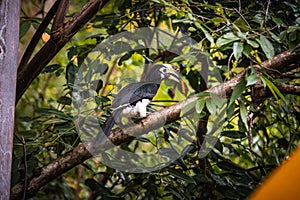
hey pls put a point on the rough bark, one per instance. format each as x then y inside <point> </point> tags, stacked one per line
<point>9,39</point>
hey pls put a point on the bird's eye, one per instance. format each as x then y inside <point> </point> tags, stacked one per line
<point>164,70</point>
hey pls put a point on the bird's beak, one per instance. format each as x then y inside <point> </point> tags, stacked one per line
<point>173,73</point>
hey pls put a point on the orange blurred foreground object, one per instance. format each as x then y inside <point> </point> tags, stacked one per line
<point>283,183</point>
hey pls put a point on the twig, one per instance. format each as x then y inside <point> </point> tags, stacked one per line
<point>250,126</point>
<point>266,15</point>
<point>238,11</point>
<point>79,176</point>
<point>25,168</point>
<point>112,69</point>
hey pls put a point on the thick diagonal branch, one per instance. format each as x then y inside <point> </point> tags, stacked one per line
<point>172,113</point>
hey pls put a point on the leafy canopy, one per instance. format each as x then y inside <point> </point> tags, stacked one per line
<point>258,133</point>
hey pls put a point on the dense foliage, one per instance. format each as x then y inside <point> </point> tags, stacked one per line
<point>258,133</point>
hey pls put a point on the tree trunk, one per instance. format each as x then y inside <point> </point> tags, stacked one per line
<point>9,38</point>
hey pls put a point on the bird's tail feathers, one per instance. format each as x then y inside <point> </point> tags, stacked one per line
<point>108,125</point>
<point>110,121</point>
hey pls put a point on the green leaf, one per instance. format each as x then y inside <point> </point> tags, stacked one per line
<point>168,152</point>
<point>179,174</point>
<point>275,37</point>
<point>222,41</point>
<point>252,43</point>
<point>121,47</point>
<point>101,68</point>
<point>200,105</point>
<point>59,71</point>
<point>226,39</point>
<point>275,91</point>
<point>212,108</point>
<point>50,111</point>
<point>143,139</point>
<point>72,51</point>
<point>96,186</point>
<point>176,193</point>
<point>56,121</point>
<point>266,46</point>
<point>101,99</point>
<point>230,110</point>
<point>51,68</point>
<point>259,18</point>
<point>218,179</point>
<point>264,81</point>
<point>292,29</point>
<point>218,101</point>
<point>282,35</point>
<point>203,94</point>
<point>219,146</point>
<point>252,79</point>
<point>247,49</point>
<point>206,33</point>
<point>242,35</point>
<point>64,100</point>
<point>177,59</point>
<point>238,48</point>
<point>283,143</point>
<point>27,134</point>
<point>188,108</point>
<point>233,134</point>
<point>231,36</point>
<point>243,114</point>
<point>71,73</point>
<point>228,166</point>
<point>278,21</point>
<point>24,27</point>
<point>187,149</point>
<point>96,85</point>
<point>124,58</point>
<point>238,90</point>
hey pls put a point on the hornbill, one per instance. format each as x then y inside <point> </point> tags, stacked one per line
<point>133,99</point>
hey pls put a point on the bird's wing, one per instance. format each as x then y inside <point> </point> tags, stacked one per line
<point>145,91</point>
<point>133,93</point>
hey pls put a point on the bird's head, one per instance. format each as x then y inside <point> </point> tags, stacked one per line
<point>163,71</point>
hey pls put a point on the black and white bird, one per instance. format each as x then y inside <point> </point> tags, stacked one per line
<point>133,99</point>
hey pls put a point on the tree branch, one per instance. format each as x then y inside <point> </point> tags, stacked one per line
<point>280,62</point>
<point>58,39</point>
<point>60,15</point>
<point>37,35</point>
<point>260,93</point>
<point>57,167</point>
<point>172,113</point>
<point>288,89</point>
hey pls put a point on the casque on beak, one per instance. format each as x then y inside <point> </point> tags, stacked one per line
<point>173,73</point>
